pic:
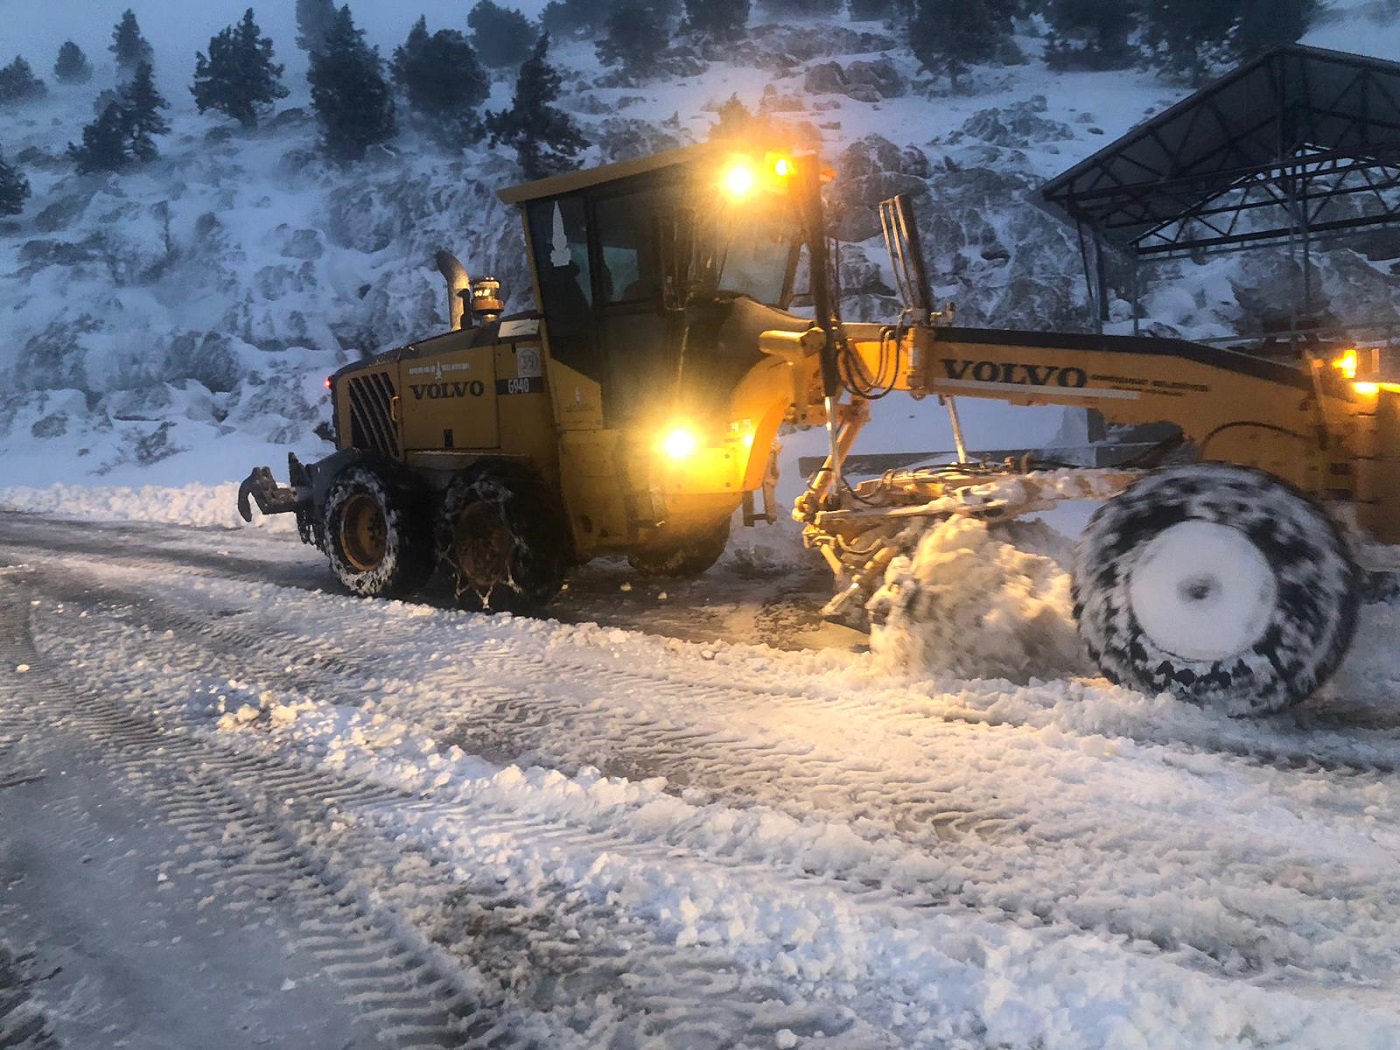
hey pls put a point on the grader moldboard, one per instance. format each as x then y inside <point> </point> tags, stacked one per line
<point>638,408</point>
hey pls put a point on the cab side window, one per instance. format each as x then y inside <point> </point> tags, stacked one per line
<point>559,235</point>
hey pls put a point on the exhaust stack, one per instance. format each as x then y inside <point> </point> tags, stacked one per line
<point>459,288</point>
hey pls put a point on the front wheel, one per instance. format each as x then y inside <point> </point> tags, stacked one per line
<point>503,538</point>
<point>376,537</point>
<point>1219,584</point>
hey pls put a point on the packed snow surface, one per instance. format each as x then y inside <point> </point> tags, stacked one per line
<point>236,801</point>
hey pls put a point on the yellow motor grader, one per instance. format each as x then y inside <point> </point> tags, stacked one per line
<point>637,409</point>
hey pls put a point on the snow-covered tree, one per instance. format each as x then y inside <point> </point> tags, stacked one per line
<point>871,10</point>
<point>570,18</point>
<point>314,18</point>
<point>947,36</point>
<point>721,20</point>
<point>72,66</point>
<point>142,106</point>
<point>444,82</point>
<point>502,36</point>
<point>351,98</point>
<point>14,189</point>
<point>1266,23</point>
<point>18,82</point>
<point>239,78</point>
<point>104,146</point>
<point>129,47</point>
<point>801,8</point>
<point>634,37</point>
<point>125,129</point>
<point>409,53</point>
<point>545,138</point>
<point>1189,40</point>
<point>1089,34</point>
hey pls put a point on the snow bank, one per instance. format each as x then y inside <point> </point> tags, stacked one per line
<point>194,504</point>
<point>980,602</point>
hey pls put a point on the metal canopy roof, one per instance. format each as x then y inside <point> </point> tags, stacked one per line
<point>1297,142</point>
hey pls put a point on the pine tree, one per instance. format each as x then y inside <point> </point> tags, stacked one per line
<point>1089,34</point>
<point>129,47</point>
<point>871,10</point>
<point>105,143</point>
<point>502,36</point>
<point>1267,23</point>
<point>947,36</point>
<point>72,66</point>
<point>408,56</point>
<point>575,18</point>
<point>634,37</point>
<point>1188,40</point>
<point>14,189</point>
<point>19,84</point>
<point>348,91</point>
<point>801,8</point>
<point>142,104</point>
<point>125,129</point>
<point>444,82</point>
<point>545,139</point>
<point>239,78</point>
<point>314,18</point>
<point>719,20</point>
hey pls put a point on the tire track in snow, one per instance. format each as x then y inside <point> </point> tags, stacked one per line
<point>963,835</point>
<point>247,858</point>
<point>219,803</point>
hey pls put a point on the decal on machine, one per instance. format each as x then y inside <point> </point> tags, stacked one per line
<point>1015,376</point>
<point>523,385</point>
<point>519,327</point>
<point>437,368</point>
<point>437,391</point>
<point>529,362</point>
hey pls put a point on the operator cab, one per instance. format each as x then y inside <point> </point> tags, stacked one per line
<point>653,285</point>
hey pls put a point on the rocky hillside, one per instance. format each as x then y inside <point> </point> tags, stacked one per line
<point>206,294</point>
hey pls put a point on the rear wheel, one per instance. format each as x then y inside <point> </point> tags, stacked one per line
<point>376,536</point>
<point>685,560</point>
<point>1219,584</point>
<point>503,538</point>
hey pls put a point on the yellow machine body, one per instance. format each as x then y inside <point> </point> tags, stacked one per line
<point>654,422</point>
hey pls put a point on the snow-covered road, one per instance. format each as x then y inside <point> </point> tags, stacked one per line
<point>453,829</point>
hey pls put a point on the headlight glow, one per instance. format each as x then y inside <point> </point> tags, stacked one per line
<point>1345,363</point>
<point>679,443</point>
<point>739,178</point>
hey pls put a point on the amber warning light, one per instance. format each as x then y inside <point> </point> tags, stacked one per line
<point>742,176</point>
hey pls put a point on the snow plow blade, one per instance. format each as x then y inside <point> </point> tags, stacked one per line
<point>272,498</point>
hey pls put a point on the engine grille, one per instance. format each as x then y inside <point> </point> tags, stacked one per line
<point>371,426</point>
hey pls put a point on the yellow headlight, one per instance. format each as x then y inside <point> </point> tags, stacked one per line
<point>679,443</point>
<point>739,179</point>
<point>1366,389</point>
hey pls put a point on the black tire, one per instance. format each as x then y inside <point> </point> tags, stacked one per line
<point>377,536</point>
<point>1219,584</point>
<point>503,538</point>
<point>687,560</point>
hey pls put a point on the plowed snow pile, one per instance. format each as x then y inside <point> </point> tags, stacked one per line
<point>980,602</point>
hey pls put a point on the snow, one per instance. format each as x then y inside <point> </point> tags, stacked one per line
<point>603,835</point>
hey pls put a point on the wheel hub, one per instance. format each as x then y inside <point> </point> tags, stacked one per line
<point>1202,591</point>
<point>363,533</point>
